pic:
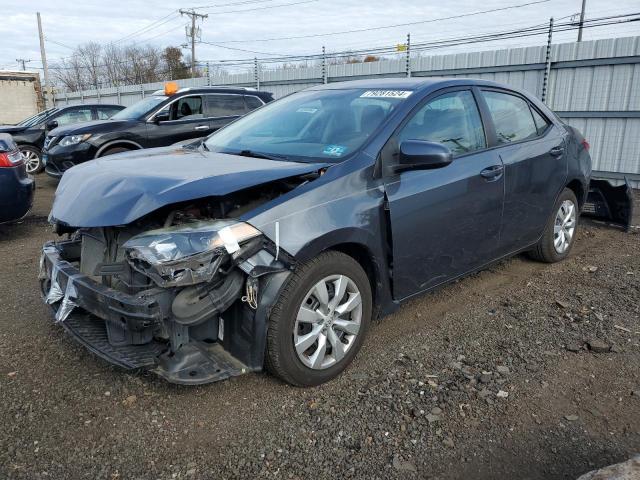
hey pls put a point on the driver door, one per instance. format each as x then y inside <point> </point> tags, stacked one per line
<point>445,222</point>
<point>186,121</point>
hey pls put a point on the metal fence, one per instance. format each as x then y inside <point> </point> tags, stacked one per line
<point>592,85</point>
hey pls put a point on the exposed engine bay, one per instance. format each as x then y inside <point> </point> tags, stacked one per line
<point>177,289</point>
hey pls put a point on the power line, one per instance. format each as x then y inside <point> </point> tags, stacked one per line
<point>269,7</point>
<point>518,33</point>
<point>230,4</point>
<point>368,29</point>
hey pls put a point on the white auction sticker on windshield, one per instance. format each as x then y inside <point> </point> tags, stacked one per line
<point>387,94</point>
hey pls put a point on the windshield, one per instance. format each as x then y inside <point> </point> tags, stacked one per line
<point>37,118</point>
<point>140,108</point>
<point>325,125</point>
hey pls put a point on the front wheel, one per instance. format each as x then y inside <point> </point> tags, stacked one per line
<point>560,233</point>
<point>320,320</point>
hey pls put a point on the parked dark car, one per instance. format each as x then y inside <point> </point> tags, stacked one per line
<point>30,133</point>
<point>278,240</point>
<point>16,185</point>
<point>164,118</point>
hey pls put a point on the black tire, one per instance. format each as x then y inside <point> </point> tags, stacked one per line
<point>113,150</point>
<point>281,357</point>
<point>545,250</point>
<point>30,149</point>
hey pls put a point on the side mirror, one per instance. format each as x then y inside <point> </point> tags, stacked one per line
<point>162,116</point>
<point>51,125</point>
<point>422,155</point>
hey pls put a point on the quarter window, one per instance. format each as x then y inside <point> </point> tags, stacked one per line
<point>541,122</point>
<point>511,117</point>
<point>451,119</point>
<point>252,102</point>
<point>224,105</point>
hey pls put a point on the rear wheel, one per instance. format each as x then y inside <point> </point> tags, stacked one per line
<point>32,159</point>
<point>320,320</point>
<point>560,232</point>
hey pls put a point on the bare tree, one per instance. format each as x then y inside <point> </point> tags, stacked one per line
<point>91,65</point>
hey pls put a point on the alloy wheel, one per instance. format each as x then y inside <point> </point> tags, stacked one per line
<point>564,226</point>
<point>31,160</point>
<point>327,322</point>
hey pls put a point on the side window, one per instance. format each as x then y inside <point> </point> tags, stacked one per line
<point>224,105</point>
<point>105,112</point>
<point>541,122</point>
<point>451,119</point>
<point>252,102</point>
<point>187,108</point>
<point>74,116</point>
<point>511,116</point>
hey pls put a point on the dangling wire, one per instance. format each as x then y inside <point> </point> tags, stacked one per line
<point>251,298</point>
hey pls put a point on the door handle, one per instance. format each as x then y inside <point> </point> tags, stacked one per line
<point>492,173</point>
<point>202,127</point>
<point>556,151</point>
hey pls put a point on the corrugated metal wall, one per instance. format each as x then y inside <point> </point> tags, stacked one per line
<point>593,85</point>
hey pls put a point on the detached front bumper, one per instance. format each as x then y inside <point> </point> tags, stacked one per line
<point>136,331</point>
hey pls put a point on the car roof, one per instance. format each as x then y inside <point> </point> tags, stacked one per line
<point>64,107</point>
<point>219,89</point>
<point>413,83</point>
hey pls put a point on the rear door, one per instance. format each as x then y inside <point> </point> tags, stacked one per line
<point>532,150</point>
<point>445,222</point>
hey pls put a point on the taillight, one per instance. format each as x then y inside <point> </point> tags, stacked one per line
<point>11,159</point>
<point>585,144</point>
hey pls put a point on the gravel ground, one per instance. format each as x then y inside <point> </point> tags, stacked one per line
<point>522,371</point>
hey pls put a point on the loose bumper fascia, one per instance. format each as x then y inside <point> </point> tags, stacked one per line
<point>135,313</point>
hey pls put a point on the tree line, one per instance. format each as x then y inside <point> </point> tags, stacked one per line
<point>93,65</point>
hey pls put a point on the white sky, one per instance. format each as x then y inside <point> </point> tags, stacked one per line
<point>67,24</point>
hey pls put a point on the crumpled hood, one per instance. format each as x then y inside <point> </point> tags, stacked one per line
<point>118,189</point>
<point>11,128</point>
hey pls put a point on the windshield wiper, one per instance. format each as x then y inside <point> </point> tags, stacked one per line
<point>253,154</point>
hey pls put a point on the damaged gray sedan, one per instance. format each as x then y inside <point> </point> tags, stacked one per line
<point>275,241</point>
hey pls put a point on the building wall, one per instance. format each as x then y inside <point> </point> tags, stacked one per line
<point>20,96</point>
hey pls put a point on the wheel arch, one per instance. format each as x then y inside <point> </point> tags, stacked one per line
<point>130,144</point>
<point>28,144</point>
<point>360,246</point>
<point>579,190</point>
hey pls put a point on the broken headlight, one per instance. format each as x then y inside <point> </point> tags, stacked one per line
<point>186,254</point>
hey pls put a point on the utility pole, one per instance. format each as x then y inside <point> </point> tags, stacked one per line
<point>193,33</point>
<point>43,55</point>
<point>581,20</point>
<point>22,61</point>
